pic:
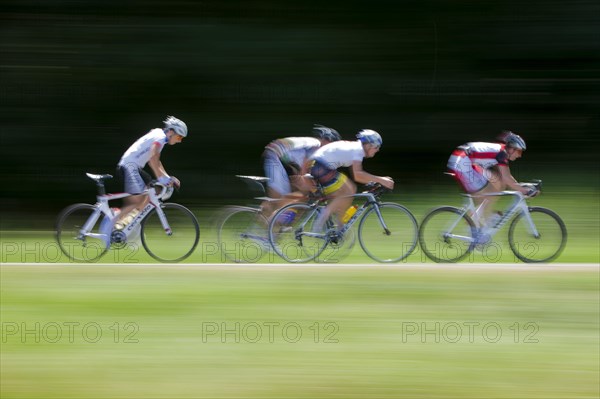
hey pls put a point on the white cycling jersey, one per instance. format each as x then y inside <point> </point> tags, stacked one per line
<point>139,152</point>
<point>340,154</point>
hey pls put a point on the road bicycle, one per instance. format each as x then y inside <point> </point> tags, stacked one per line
<point>242,230</point>
<point>169,232</point>
<point>536,234</point>
<point>387,232</point>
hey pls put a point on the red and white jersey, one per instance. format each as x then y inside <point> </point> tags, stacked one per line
<point>484,154</point>
<point>139,153</point>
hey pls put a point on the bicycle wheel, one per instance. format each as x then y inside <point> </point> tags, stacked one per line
<point>291,236</point>
<point>183,237</point>
<point>446,235</point>
<point>77,245</point>
<point>544,246</point>
<point>390,238</point>
<point>242,235</point>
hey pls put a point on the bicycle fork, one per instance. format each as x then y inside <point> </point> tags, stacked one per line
<point>386,231</point>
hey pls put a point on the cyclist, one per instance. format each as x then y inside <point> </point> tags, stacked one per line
<point>482,167</point>
<point>146,150</point>
<point>336,185</point>
<point>285,163</point>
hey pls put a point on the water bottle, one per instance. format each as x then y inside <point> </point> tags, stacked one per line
<point>349,213</point>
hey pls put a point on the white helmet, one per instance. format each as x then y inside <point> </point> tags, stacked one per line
<point>368,136</point>
<point>177,125</point>
<point>513,140</point>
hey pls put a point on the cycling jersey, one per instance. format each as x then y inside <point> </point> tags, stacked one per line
<point>284,157</point>
<point>136,157</point>
<point>330,157</point>
<point>139,153</point>
<point>293,150</point>
<point>339,154</point>
<point>470,163</point>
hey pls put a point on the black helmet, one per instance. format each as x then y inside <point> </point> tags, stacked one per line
<point>326,133</point>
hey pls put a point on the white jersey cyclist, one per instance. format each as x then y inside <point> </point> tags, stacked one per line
<point>287,156</point>
<point>139,153</point>
<point>146,150</point>
<point>339,154</point>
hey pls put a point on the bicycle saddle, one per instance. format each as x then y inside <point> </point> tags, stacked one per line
<point>98,178</point>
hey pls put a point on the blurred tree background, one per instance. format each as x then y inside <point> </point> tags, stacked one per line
<point>81,80</point>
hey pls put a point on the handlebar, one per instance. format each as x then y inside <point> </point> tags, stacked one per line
<point>376,189</point>
<point>535,187</point>
<point>166,191</point>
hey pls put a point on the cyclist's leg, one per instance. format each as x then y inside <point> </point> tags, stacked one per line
<point>494,185</point>
<point>471,178</point>
<point>278,185</point>
<point>339,191</point>
<point>343,198</point>
<point>134,182</point>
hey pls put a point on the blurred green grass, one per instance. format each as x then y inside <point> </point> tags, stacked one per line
<point>369,349</point>
<point>30,238</point>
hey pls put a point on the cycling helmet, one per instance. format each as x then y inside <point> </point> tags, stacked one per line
<point>326,133</point>
<point>513,140</point>
<point>177,125</point>
<point>368,136</point>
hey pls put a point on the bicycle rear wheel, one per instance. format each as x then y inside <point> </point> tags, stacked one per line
<point>544,246</point>
<point>446,235</point>
<point>242,235</point>
<point>291,236</point>
<point>78,245</point>
<point>391,238</point>
<point>182,239</point>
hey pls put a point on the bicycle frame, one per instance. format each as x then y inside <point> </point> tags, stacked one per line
<point>519,204</point>
<point>371,201</point>
<point>103,208</point>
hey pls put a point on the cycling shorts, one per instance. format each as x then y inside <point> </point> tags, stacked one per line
<point>134,179</point>
<point>470,176</point>
<point>277,174</point>
<point>330,179</point>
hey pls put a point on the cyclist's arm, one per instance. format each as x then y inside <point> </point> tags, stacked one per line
<point>155,163</point>
<point>363,177</point>
<point>509,181</point>
<point>157,167</point>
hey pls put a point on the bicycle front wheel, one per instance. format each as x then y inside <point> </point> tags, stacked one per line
<point>174,245</point>
<point>76,242</point>
<point>541,241</point>
<point>242,235</point>
<point>291,235</point>
<point>389,235</point>
<point>447,235</point>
